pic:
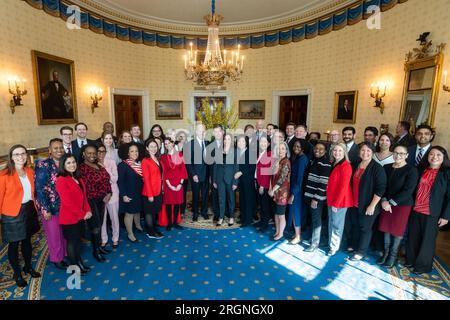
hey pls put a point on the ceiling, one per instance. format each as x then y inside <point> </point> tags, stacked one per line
<point>191,12</point>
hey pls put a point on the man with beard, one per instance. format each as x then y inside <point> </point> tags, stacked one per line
<point>348,135</point>
<point>418,153</point>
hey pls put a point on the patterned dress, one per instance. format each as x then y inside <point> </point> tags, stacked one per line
<point>47,199</point>
<point>281,177</point>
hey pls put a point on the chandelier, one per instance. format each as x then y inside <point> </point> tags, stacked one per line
<point>213,70</point>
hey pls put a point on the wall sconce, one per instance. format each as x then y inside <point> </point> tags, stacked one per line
<point>378,96</point>
<point>17,93</point>
<point>96,96</point>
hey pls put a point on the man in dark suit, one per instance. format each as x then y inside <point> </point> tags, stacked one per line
<point>403,137</point>
<point>345,111</point>
<point>301,132</point>
<point>214,153</point>
<point>55,100</point>
<point>66,133</point>
<point>371,135</point>
<point>135,131</point>
<point>290,136</point>
<point>108,127</point>
<point>417,154</point>
<point>81,140</point>
<point>348,135</point>
<point>198,171</point>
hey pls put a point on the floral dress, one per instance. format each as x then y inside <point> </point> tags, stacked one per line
<point>47,199</point>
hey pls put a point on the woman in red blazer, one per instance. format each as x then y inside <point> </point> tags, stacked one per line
<point>339,195</point>
<point>74,208</point>
<point>152,172</point>
<point>18,213</point>
<point>263,175</point>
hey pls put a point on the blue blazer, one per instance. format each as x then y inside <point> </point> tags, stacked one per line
<point>130,185</point>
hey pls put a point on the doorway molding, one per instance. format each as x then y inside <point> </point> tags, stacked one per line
<point>296,92</point>
<point>132,92</point>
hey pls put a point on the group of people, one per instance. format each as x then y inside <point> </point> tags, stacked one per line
<point>398,187</point>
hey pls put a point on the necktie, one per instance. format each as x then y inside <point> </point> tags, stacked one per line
<point>82,143</point>
<point>419,156</point>
<point>69,150</point>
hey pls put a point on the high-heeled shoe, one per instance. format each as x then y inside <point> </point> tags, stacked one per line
<point>83,270</point>
<point>33,273</point>
<point>20,281</point>
<point>81,263</point>
<point>115,245</point>
<point>103,250</point>
<point>98,256</point>
<point>231,222</point>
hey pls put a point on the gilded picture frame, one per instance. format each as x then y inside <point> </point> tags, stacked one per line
<point>55,93</point>
<point>168,110</point>
<point>345,106</point>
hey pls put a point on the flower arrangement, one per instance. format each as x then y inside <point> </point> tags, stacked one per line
<point>217,114</point>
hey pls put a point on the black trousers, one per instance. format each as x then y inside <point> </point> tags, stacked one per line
<point>225,199</point>
<point>185,189</point>
<point>247,200</point>
<point>94,224</point>
<point>421,243</point>
<point>176,210</point>
<point>13,254</point>
<point>72,233</point>
<point>266,207</point>
<point>151,210</point>
<point>197,188</point>
<point>358,230</point>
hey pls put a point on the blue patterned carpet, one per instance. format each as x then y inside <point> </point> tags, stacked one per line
<point>223,264</point>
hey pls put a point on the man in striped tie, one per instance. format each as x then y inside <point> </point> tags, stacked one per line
<point>418,153</point>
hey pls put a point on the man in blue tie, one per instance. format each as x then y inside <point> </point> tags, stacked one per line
<point>419,152</point>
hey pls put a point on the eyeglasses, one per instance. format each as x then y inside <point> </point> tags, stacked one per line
<point>101,151</point>
<point>401,154</point>
<point>67,134</point>
<point>24,154</point>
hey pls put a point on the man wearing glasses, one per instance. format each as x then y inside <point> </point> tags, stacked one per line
<point>66,133</point>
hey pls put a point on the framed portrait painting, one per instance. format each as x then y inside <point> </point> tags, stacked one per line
<point>54,82</point>
<point>252,109</point>
<point>168,110</point>
<point>345,105</point>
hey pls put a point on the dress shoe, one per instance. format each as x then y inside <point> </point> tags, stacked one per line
<point>311,249</point>
<point>33,273</point>
<point>81,263</point>
<point>103,250</point>
<point>20,281</point>
<point>159,235</point>
<point>194,219</point>
<point>98,256</point>
<point>177,226</point>
<point>206,217</point>
<point>231,222</point>
<point>82,268</point>
<point>219,223</point>
<point>115,245</point>
<point>60,265</point>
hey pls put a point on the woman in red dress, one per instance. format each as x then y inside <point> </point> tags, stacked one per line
<point>174,176</point>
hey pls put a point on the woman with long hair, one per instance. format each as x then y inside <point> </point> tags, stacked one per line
<point>339,195</point>
<point>157,132</point>
<point>396,204</point>
<point>224,180</point>
<point>111,152</point>
<point>246,177</point>
<point>174,176</point>
<point>430,212</point>
<point>112,207</point>
<point>18,211</point>
<point>152,171</point>
<point>383,154</point>
<point>280,188</point>
<point>74,209</point>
